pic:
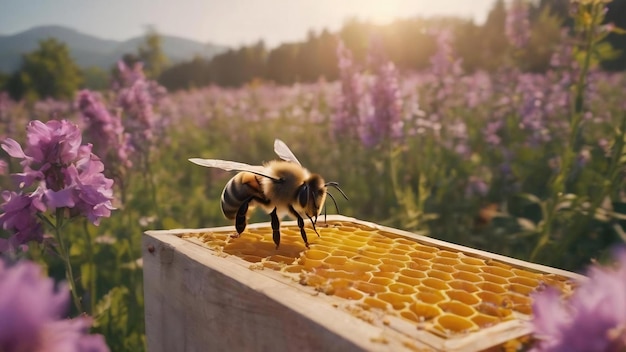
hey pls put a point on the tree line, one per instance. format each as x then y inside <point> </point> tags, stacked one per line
<point>409,43</point>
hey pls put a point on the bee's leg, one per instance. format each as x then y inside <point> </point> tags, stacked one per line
<point>313,224</point>
<point>240,218</point>
<point>275,227</point>
<point>300,225</point>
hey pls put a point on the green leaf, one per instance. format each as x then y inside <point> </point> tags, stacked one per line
<point>531,198</point>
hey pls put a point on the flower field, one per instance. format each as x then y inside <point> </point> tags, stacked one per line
<point>528,165</point>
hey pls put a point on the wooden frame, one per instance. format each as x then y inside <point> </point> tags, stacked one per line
<point>196,300</point>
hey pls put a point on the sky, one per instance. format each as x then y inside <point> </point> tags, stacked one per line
<point>226,22</point>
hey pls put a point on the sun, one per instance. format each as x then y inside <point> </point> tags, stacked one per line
<point>380,12</point>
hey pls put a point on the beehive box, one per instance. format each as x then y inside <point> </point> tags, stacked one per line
<point>360,286</point>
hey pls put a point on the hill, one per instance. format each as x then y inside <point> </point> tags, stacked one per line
<point>88,50</point>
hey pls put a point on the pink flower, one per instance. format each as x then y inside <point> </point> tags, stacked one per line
<point>31,309</point>
<point>67,175</point>
<point>20,218</point>
<point>593,319</point>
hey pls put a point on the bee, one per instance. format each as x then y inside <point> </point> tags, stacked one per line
<point>281,187</point>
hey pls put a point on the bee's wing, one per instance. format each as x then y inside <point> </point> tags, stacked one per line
<point>232,166</point>
<point>283,151</point>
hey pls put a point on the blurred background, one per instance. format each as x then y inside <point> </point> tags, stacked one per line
<point>499,125</point>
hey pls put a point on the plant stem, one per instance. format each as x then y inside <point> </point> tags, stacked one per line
<point>567,158</point>
<point>92,266</point>
<point>66,258</point>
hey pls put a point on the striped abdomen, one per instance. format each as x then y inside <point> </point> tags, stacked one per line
<point>241,188</point>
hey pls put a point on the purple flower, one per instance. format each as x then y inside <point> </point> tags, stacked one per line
<point>517,26</point>
<point>385,122</point>
<point>67,173</point>
<point>30,314</point>
<point>592,319</point>
<point>444,62</point>
<point>105,130</point>
<point>139,99</point>
<point>352,102</point>
<point>20,218</point>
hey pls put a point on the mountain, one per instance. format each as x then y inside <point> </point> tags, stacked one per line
<point>88,50</point>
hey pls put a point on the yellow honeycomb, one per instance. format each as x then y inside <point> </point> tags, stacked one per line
<point>439,290</point>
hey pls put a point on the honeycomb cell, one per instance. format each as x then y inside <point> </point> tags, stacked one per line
<point>520,303</point>
<point>366,260</point>
<point>522,289</point>
<point>376,303</point>
<point>281,259</point>
<point>445,268</point>
<point>408,280</point>
<point>315,254</point>
<point>370,288</point>
<point>484,321</point>
<point>347,229</point>
<point>457,308</point>
<point>342,253</point>
<point>397,301</point>
<point>491,287</point>
<point>493,278</point>
<point>310,264</point>
<point>355,266</point>
<point>447,254</point>
<point>381,242</point>
<point>455,323</point>
<point>341,283</point>
<point>401,288</point>
<point>437,284</point>
<point>446,261</point>
<point>359,236</point>
<point>468,268</point>
<point>353,243</point>
<point>439,275</point>
<point>373,251</point>
<point>462,296</point>
<point>425,248</point>
<point>322,248</point>
<point>348,293</point>
<point>384,281</point>
<point>418,274</point>
<point>419,264</point>
<point>525,273</point>
<point>422,255</point>
<point>530,282</point>
<point>385,274</point>
<point>424,311</point>
<point>490,298</point>
<point>465,276</point>
<point>389,268</point>
<point>495,270</point>
<point>333,260</point>
<point>472,261</point>
<point>430,296</point>
<point>493,310</point>
<point>463,285</point>
<point>399,250</point>
<point>342,274</point>
<point>347,249</point>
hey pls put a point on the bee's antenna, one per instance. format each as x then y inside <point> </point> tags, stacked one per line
<point>336,185</point>
<point>334,201</point>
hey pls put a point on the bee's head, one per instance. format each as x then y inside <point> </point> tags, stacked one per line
<point>312,195</point>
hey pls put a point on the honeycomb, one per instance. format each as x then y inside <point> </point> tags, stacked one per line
<point>439,290</point>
